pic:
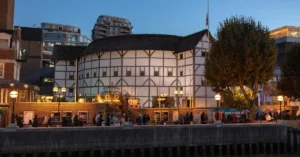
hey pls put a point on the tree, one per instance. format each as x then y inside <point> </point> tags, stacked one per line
<point>289,82</point>
<point>243,55</point>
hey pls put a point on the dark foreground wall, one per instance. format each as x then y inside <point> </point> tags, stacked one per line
<point>36,140</point>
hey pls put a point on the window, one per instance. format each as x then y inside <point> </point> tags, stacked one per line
<point>142,73</point>
<point>2,70</point>
<point>82,76</point>
<point>115,73</point>
<point>128,73</point>
<point>203,53</point>
<point>87,75</point>
<point>156,73</point>
<point>181,73</point>
<point>72,63</point>
<point>71,90</point>
<point>71,76</point>
<point>104,73</point>
<point>170,73</point>
<point>181,56</point>
<point>95,74</point>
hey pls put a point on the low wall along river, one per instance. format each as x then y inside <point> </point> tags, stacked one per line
<point>147,141</point>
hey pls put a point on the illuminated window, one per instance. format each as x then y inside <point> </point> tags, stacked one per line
<point>2,70</point>
<point>48,80</point>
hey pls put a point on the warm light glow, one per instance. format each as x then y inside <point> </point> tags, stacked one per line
<point>55,89</point>
<point>175,91</point>
<point>181,92</point>
<point>11,84</point>
<point>13,94</point>
<point>218,97</point>
<point>280,98</point>
<point>63,89</point>
<point>26,86</point>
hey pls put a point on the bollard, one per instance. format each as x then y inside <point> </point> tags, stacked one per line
<point>170,152</point>
<point>122,153</point>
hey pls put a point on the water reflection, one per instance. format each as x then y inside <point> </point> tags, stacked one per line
<point>276,155</point>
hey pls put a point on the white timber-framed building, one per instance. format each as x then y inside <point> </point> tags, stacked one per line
<point>143,66</point>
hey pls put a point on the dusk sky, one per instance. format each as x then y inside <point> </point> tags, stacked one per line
<point>179,17</point>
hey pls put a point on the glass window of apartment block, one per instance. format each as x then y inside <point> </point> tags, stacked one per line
<point>2,70</point>
<point>48,80</point>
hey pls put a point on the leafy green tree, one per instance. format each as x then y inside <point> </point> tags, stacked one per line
<point>289,82</point>
<point>243,55</point>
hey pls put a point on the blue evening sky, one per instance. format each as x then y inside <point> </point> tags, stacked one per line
<point>178,17</point>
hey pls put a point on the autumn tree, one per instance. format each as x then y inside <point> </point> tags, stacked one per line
<point>289,82</point>
<point>244,56</point>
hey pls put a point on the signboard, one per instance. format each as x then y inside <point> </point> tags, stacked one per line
<point>134,103</point>
<point>27,116</point>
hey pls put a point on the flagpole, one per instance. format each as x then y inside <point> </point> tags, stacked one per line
<point>208,18</point>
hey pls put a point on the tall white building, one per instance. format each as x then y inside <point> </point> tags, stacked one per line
<point>143,66</point>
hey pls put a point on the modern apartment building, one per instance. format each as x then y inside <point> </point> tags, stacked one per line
<point>111,26</point>
<point>58,34</point>
<point>285,38</point>
<point>33,45</point>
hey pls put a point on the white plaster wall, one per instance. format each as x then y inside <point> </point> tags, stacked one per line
<point>130,54</point>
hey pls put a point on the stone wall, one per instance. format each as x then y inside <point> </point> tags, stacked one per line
<point>45,140</point>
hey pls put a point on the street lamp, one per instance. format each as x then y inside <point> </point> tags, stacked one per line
<point>218,98</point>
<point>280,99</point>
<point>59,91</point>
<point>13,94</point>
<point>178,102</point>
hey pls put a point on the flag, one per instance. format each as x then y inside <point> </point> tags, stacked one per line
<point>207,20</point>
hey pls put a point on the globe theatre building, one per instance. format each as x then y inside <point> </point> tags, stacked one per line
<point>146,68</point>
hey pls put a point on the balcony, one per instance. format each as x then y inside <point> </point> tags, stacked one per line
<point>21,56</point>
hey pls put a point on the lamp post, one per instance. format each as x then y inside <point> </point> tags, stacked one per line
<point>218,98</point>
<point>59,91</point>
<point>178,102</point>
<point>13,94</point>
<point>280,99</point>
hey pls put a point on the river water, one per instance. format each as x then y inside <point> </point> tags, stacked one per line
<point>277,155</point>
